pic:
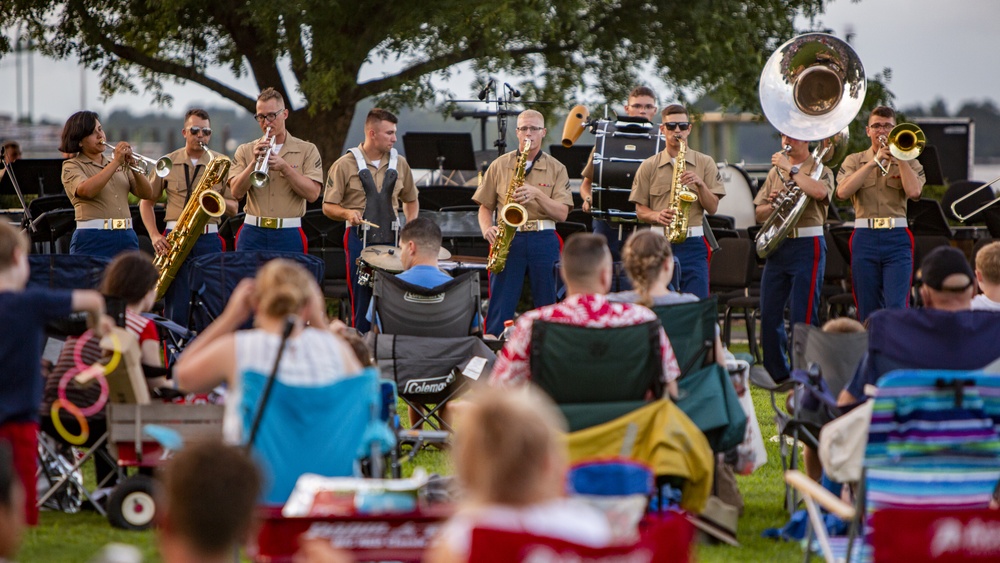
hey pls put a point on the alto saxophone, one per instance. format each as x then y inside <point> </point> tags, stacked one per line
<point>680,200</point>
<point>203,203</point>
<point>512,215</point>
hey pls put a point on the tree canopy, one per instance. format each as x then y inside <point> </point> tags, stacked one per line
<point>318,47</point>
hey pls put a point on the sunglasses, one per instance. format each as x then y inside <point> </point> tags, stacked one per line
<point>207,131</point>
<point>672,125</point>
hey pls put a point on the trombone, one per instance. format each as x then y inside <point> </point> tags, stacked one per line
<point>906,141</point>
<point>993,192</point>
<point>259,178</point>
<point>142,164</point>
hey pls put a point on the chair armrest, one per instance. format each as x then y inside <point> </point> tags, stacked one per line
<point>760,378</point>
<point>823,497</point>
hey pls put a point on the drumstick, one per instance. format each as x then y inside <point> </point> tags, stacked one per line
<point>370,224</point>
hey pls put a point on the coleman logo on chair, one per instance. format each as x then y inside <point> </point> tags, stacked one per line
<point>431,385</point>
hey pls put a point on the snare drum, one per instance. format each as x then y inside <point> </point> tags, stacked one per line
<point>619,149</point>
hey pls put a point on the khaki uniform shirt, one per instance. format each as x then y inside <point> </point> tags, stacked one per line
<point>816,209</point>
<point>343,186</point>
<point>653,183</point>
<point>177,185</point>
<point>109,203</point>
<point>278,199</point>
<point>547,174</point>
<point>879,196</point>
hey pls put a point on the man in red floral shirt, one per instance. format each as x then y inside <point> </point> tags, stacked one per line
<point>587,271</point>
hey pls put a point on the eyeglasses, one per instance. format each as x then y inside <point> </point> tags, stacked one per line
<point>682,125</point>
<point>261,117</point>
<point>529,129</point>
<point>640,107</point>
<point>881,126</point>
<point>207,131</point>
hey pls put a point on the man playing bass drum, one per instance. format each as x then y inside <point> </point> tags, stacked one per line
<point>793,273</point>
<point>535,247</point>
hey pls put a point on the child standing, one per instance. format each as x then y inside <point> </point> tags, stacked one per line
<point>988,276</point>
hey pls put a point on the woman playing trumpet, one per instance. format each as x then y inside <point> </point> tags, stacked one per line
<point>98,187</point>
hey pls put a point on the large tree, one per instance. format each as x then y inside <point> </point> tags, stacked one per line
<point>318,47</point>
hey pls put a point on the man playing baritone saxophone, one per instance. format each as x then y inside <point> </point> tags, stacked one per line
<point>793,272</point>
<point>535,248</point>
<point>295,176</point>
<point>189,165</point>
<point>652,192</point>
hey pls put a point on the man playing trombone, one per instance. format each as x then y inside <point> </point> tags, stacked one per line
<point>278,174</point>
<point>793,273</point>
<point>98,187</point>
<point>882,245</point>
<point>189,164</point>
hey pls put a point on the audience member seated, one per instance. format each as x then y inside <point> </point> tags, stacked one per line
<point>314,355</point>
<point>587,271</point>
<point>23,315</point>
<point>649,263</point>
<point>11,505</point>
<point>510,461</point>
<point>944,334</point>
<point>208,499</point>
<point>988,276</point>
<point>130,277</point>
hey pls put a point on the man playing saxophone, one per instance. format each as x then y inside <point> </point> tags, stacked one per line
<point>793,273</point>
<point>652,193</point>
<point>534,249</point>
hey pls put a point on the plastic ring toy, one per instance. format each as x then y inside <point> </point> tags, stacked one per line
<point>80,419</point>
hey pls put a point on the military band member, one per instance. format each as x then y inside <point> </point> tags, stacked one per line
<point>364,188</point>
<point>882,244</point>
<point>535,248</point>
<point>793,273</point>
<point>652,192</point>
<point>295,176</point>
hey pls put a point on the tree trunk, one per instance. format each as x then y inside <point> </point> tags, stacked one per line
<point>327,129</point>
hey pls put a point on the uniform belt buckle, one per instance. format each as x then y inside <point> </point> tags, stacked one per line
<point>529,227</point>
<point>118,224</point>
<point>268,222</point>
<point>882,223</point>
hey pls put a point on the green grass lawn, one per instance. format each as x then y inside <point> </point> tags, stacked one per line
<point>77,537</point>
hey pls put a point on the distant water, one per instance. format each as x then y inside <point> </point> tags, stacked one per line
<point>986,172</point>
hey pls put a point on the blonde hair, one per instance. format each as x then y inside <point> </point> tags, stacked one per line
<point>283,287</point>
<point>843,325</point>
<point>11,239</point>
<point>988,262</point>
<point>505,445</point>
<point>532,113</point>
<point>644,255</point>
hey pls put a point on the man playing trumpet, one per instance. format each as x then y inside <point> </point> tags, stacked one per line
<point>882,245</point>
<point>293,172</point>
<point>793,273</point>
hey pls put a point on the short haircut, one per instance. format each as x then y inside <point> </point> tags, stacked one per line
<point>130,276</point>
<point>10,239</point>
<point>532,113</point>
<point>424,232</point>
<point>643,255</point>
<point>988,262</point>
<point>671,109</point>
<point>505,444</point>
<point>582,256</point>
<point>883,111</point>
<point>270,93</point>
<point>843,325</point>
<point>79,125</point>
<point>211,490</point>
<point>378,114</point>
<point>197,112</point>
<point>8,479</point>
<point>642,91</point>
<point>283,287</point>
<point>11,145</point>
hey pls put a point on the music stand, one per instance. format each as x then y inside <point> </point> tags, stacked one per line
<point>41,176</point>
<point>51,226</point>
<point>573,158</point>
<point>433,150</point>
<point>925,217</point>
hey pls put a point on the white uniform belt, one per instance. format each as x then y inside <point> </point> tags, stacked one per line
<point>115,224</point>
<point>806,232</point>
<point>537,225</point>
<point>880,223</point>
<point>273,222</point>
<point>698,231</point>
<point>209,228</point>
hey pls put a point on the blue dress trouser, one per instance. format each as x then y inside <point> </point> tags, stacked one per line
<point>693,255</point>
<point>253,238</point>
<point>103,242</point>
<point>361,295</point>
<point>610,232</point>
<point>177,300</point>
<point>531,253</point>
<point>882,269</point>
<point>793,276</point>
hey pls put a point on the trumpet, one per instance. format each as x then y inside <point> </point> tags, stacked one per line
<point>259,178</point>
<point>142,164</point>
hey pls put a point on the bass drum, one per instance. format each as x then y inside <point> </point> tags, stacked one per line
<point>738,202</point>
<point>619,148</point>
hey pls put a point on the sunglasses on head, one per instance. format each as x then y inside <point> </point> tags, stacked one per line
<point>672,125</point>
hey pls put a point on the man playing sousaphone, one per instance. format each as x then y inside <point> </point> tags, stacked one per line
<point>793,273</point>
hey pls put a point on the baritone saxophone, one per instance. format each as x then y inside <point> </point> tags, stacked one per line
<point>204,203</point>
<point>512,215</point>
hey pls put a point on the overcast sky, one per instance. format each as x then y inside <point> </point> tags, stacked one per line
<point>935,49</point>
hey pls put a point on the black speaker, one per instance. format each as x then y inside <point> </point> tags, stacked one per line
<point>952,139</point>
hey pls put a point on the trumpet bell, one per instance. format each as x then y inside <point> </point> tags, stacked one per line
<point>906,141</point>
<point>812,87</point>
<point>259,179</point>
<point>575,124</point>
